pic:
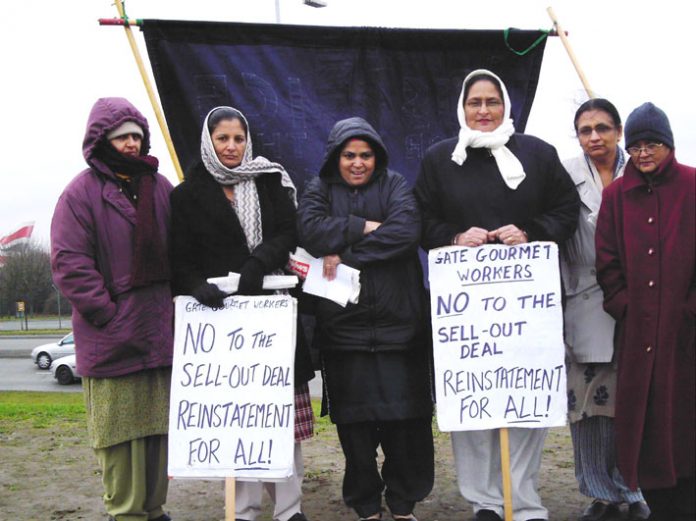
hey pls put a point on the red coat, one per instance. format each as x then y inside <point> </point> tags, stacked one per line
<point>646,257</point>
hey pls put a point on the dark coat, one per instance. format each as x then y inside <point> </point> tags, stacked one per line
<point>646,266</point>
<point>390,313</point>
<point>118,329</point>
<point>454,198</point>
<point>207,239</point>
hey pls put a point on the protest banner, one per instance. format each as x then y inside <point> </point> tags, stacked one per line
<point>232,395</point>
<point>497,336</point>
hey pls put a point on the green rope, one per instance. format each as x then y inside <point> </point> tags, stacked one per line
<point>125,16</point>
<point>506,35</point>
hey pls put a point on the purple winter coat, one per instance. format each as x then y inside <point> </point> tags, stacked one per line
<point>118,329</point>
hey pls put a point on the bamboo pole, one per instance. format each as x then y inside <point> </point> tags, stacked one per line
<point>151,93</point>
<point>570,52</point>
<point>229,499</point>
<point>505,467</point>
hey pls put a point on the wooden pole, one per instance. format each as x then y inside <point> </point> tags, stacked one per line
<point>229,499</point>
<point>505,466</point>
<point>570,52</point>
<point>151,93</point>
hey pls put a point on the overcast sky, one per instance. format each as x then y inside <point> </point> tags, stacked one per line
<point>56,61</point>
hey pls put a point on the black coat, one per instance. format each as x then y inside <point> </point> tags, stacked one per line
<point>454,198</point>
<point>391,313</point>
<point>207,239</point>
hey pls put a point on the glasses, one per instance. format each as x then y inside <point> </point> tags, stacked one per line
<point>601,129</point>
<point>477,103</point>
<point>649,149</point>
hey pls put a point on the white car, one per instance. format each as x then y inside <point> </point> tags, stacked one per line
<point>44,354</point>
<point>64,370</point>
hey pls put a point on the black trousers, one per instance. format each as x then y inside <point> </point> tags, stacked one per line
<point>677,503</point>
<point>408,468</point>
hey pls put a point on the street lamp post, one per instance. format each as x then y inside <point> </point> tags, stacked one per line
<point>310,3</point>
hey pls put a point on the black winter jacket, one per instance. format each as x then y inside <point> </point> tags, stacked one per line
<point>391,313</point>
<point>454,198</point>
<point>207,239</point>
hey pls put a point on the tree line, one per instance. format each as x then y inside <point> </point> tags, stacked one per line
<point>26,276</point>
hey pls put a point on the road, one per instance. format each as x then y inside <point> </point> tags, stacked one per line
<point>20,374</point>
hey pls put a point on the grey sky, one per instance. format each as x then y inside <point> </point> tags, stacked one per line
<point>56,61</point>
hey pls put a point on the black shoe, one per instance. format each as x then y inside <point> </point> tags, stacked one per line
<point>638,511</point>
<point>298,517</point>
<point>599,511</point>
<point>487,515</point>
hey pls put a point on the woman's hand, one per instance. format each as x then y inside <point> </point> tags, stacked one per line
<point>473,237</point>
<point>371,226</point>
<point>508,234</point>
<point>331,262</point>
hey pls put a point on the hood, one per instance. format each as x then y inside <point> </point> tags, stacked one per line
<point>341,132</point>
<point>105,116</point>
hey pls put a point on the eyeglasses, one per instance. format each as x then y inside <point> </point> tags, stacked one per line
<point>478,103</point>
<point>649,149</point>
<point>601,129</point>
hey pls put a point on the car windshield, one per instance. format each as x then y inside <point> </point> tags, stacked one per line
<point>67,339</point>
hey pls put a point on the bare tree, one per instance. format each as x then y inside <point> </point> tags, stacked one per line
<point>26,276</point>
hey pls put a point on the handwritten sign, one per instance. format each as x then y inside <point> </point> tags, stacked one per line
<point>232,399</point>
<point>497,336</point>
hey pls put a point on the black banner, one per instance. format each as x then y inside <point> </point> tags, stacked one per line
<point>294,82</point>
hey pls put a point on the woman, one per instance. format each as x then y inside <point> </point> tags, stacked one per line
<point>374,353</point>
<point>109,258</point>
<point>236,213</point>
<point>493,185</point>
<point>646,266</point>
<point>589,330</point>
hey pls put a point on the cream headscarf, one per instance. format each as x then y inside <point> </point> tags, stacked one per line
<point>242,178</point>
<point>510,167</point>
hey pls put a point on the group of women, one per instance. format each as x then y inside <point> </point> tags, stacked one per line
<point>124,242</point>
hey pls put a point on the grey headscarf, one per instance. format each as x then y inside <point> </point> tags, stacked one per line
<point>246,203</point>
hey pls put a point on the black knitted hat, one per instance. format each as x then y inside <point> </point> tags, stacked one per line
<point>649,123</point>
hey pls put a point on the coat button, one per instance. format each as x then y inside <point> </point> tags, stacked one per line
<point>585,296</point>
<point>649,190</point>
<point>651,283</point>
<point>651,251</point>
<point>593,272</point>
<point>648,349</point>
<point>650,220</point>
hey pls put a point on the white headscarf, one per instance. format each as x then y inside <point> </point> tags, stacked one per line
<point>242,178</point>
<point>510,167</point>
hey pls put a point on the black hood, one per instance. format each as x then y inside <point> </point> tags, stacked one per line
<point>341,132</point>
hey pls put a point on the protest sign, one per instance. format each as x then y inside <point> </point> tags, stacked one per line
<point>232,396</point>
<point>497,336</point>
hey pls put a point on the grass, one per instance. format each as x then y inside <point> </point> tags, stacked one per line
<point>19,410</point>
<point>34,332</point>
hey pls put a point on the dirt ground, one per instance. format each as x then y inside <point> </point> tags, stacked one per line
<point>52,475</point>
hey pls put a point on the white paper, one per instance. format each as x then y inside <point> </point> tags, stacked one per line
<point>230,283</point>
<point>498,336</point>
<point>232,395</point>
<point>343,289</point>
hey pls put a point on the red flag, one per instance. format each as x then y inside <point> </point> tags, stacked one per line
<point>20,236</point>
